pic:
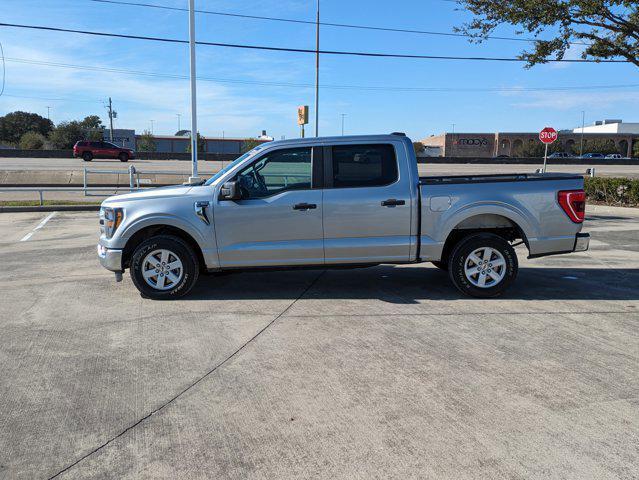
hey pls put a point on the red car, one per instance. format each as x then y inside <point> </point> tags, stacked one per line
<point>89,150</point>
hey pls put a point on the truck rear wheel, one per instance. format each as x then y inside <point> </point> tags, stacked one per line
<point>164,267</point>
<point>483,265</point>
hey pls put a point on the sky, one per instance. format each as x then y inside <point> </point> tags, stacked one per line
<point>239,95</point>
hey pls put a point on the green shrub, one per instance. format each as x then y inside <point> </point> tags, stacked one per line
<point>32,141</point>
<point>613,191</point>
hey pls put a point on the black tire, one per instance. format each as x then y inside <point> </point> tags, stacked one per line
<point>181,250</point>
<point>124,157</point>
<point>460,256</point>
<point>87,156</point>
<point>441,265</point>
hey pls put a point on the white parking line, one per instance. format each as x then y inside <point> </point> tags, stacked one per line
<point>40,225</point>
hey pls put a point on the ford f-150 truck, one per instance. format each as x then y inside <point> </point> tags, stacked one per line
<point>340,201</point>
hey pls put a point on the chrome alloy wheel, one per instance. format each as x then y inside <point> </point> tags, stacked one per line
<point>485,267</point>
<point>162,269</point>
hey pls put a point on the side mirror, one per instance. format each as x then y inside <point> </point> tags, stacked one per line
<point>231,191</point>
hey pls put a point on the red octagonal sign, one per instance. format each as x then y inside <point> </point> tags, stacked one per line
<point>548,135</point>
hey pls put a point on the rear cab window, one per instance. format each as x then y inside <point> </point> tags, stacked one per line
<point>371,165</point>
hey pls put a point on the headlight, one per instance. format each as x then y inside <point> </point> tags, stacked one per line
<point>110,220</point>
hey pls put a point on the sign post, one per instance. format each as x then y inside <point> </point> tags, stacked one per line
<point>547,136</point>
<point>302,117</point>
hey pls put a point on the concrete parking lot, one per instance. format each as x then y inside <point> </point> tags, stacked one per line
<point>384,372</point>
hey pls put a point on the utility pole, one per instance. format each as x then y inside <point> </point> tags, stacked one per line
<point>110,120</point>
<point>343,115</point>
<point>152,121</point>
<point>453,127</point>
<point>179,115</point>
<point>583,122</point>
<point>317,35</point>
<point>194,177</point>
<point>48,113</point>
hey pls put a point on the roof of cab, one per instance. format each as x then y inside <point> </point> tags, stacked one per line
<point>338,139</point>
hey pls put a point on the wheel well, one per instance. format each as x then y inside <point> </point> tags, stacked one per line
<point>151,231</point>
<point>486,223</point>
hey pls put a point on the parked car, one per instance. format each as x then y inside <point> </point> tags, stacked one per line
<point>88,150</point>
<point>340,201</point>
<point>559,155</point>
<point>593,155</point>
<point>614,155</point>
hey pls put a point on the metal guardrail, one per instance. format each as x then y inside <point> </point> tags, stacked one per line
<point>132,173</point>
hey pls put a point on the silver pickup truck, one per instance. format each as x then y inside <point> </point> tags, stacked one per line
<point>334,202</point>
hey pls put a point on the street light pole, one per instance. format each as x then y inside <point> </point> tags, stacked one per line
<point>194,177</point>
<point>343,115</point>
<point>583,122</point>
<point>317,35</point>
<point>179,115</point>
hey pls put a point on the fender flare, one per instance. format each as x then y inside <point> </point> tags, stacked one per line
<point>526,223</point>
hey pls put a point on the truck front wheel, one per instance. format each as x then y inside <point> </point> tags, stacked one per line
<point>483,265</point>
<point>164,267</point>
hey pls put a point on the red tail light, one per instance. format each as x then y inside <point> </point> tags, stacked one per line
<point>574,204</point>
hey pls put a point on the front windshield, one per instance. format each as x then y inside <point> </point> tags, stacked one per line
<point>248,154</point>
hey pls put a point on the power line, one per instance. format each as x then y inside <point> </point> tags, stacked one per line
<point>310,22</point>
<point>311,85</point>
<point>300,50</point>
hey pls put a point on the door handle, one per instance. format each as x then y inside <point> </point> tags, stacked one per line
<point>304,206</point>
<point>391,202</point>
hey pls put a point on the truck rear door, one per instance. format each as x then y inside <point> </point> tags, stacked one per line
<point>367,204</point>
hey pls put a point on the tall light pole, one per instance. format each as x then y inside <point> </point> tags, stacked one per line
<point>194,177</point>
<point>317,35</point>
<point>343,115</point>
<point>179,115</point>
<point>152,121</point>
<point>48,113</point>
<point>583,122</point>
<point>453,127</point>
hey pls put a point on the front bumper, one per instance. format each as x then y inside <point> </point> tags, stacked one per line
<point>582,242</point>
<point>111,259</point>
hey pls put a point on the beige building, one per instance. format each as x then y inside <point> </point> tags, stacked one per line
<point>512,144</point>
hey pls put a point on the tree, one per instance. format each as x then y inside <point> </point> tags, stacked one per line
<point>14,125</point>
<point>635,147</point>
<point>606,29</point>
<point>534,148</point>
<point>183,133</point>
<point>32,141</point>
<point>66,134</point>
<point>146,143</point>
<point>249,144</point>
<point>201,145</point>
<point>600,145</point>
<point>418,147</point>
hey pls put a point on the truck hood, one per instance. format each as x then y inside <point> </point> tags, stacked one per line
<point>150,194</point>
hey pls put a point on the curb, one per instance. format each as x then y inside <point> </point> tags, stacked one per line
<point>51,208</point>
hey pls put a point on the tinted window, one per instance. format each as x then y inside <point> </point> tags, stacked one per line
<point>277,172</point>
<point>95,144</point>
<point>110,145</point>
<point>82,144</point>
<point>364,165</point>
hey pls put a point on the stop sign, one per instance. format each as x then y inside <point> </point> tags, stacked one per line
<point>548,135</point>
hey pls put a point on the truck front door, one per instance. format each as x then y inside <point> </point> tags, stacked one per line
<point>278,221</point>
<point>367,205</point>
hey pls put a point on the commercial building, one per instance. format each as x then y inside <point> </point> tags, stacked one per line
<point>513,144</point>
<point>180,143</point>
